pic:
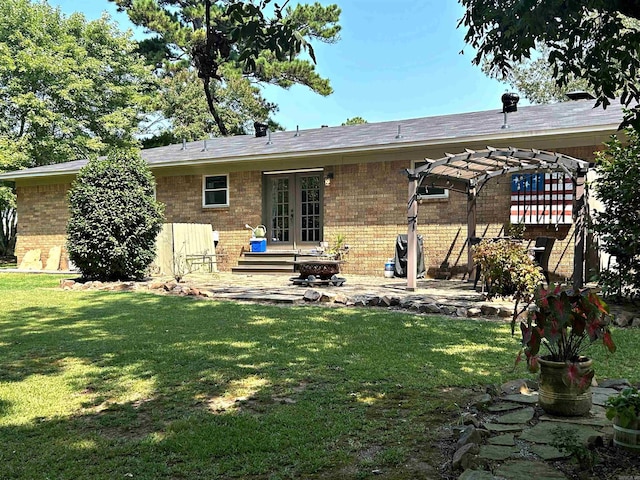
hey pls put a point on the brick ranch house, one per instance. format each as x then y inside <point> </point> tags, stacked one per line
<point>311,185</point>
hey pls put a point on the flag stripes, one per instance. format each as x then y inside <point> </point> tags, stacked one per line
<point>541,198</point>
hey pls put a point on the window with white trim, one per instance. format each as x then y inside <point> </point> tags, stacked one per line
<point>425,192</point>
<point>215,191</point>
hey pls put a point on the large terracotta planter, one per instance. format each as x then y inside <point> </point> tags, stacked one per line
<point>557,396</point>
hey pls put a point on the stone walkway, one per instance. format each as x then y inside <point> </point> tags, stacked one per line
<point>506,436</point>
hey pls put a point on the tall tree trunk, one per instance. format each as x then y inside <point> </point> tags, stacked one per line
<point>212,107</point>
<point>206,78</point>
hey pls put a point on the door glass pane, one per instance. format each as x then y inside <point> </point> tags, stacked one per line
<point>280,208</point>
<point>310,208</point>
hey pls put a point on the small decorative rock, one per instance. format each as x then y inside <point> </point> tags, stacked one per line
<point>341,298</point>
<point>636,322</point>
<point>469,418</point>
<point>311,296</point>
<point>430,308</point>
<point>384,301</point>
<point>67,284</point>
<point>406,303</point>
<point>463,458</point>
<point>623,319</point>
<point>514,386</point>
<point>326,298</point>
<point>448,310</point>
<point>372,301</point>
<point>473,312</point>
<point>469,435</point>
<point>481,401</point>
<point>489,310</point>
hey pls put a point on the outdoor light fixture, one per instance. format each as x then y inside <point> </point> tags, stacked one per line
<point>260,129</point>
<point>509,104</point>
<point>327,179</point>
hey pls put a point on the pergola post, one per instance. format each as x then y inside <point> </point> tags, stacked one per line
<point>412,233</point>
<point>471,227</point>
<point>580,207</point>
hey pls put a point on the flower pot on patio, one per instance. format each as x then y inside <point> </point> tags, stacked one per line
<point>558,395</point>
<point>624,410</point>
<point>627,438</point>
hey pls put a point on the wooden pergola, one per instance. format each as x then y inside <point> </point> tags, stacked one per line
<point>469,172</point>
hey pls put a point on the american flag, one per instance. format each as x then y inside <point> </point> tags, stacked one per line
<point>541,198</point>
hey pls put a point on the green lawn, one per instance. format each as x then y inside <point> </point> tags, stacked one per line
<point>103,385</point>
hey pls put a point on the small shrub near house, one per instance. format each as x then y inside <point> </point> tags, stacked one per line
<point>114,217</point>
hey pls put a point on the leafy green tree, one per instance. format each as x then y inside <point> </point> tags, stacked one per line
<point>229,46</point>
<point>533,79</point>
<point>114,217</point>
<point>182,101</point>
<point>354,121</point>
<point>68,87</point>
<point>598,41</point>
<point>618,225</point>
<point>8,221</point>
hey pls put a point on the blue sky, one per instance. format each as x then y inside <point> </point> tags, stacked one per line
<point>395,60</point>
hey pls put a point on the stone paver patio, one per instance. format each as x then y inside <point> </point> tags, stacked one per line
<point>449,297</point>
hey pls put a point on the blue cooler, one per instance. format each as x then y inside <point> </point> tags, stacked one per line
<point>258,244</point>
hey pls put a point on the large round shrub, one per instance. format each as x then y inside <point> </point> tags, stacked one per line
<point>114,217</point>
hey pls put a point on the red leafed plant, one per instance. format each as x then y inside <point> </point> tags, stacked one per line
<point>566,323</point>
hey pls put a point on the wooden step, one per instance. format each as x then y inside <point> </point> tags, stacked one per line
<point>265,260</point>
<point>264,269</point>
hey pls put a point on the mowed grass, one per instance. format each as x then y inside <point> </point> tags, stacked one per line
<point>103,385</point>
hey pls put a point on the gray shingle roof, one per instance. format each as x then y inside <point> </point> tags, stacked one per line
<point>527,121</point>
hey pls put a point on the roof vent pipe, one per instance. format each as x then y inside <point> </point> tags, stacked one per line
<point>399,135</point>
<point>269,142</point>
<point>204,148</point>
<point>184,144</point>
<point>297,134</point>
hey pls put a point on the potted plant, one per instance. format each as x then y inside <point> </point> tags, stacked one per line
<point>565,322</point>
<point>624,410</point>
